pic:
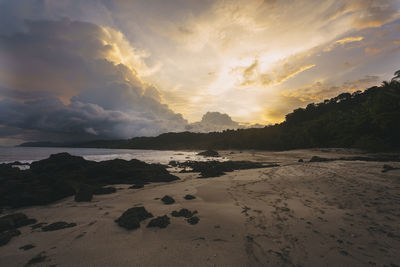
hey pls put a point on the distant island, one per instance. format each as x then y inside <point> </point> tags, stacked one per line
<point>368,120</point>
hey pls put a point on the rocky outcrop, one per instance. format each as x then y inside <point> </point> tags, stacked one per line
<point>62,174</point>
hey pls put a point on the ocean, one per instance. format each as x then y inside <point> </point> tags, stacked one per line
<point>30,154</point>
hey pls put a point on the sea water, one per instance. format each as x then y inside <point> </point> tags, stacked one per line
<point>30,154</point>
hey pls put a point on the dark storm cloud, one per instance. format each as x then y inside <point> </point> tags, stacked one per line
<point>69,59</point>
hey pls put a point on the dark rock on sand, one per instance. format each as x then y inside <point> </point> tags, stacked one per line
<point>300,160</point>
<point>160,221</point>
<point>15,220</point>
<point>132,217</point>
<point>84,194</point>
<point>136,186</point>
<point>217,168</point>
<point>57,226</point>
<point>189,197</point>
<point>387,168</point>
<point>193,220</point>
<point>104,190</point>
<point>183,213</point>
<point>319,159</point>
<point>61,174</point>
<point>27,247</point>
<point>6,236</point>
<point>168,200</point>
<point>209,153</point>
<point>41,257</point>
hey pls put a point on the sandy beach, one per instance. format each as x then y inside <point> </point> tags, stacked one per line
<point>336,213</point>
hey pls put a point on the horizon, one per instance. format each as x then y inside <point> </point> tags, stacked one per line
<point>74,71</point>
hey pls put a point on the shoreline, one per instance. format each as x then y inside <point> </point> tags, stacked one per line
<point>332,213</point>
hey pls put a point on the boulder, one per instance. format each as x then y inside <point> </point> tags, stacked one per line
<point>84,194</point>
<point>132,217</point>
<point>160,221</point>
<point>168,200</point>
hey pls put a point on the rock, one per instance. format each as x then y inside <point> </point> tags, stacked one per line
<point>319,159</point>
<point>38,225</point>
<point>136,186</point>
<point>15,220</point>
<point>387,168</point>
<point>57,177</point>
<point>193,220</point>
<point>209,153</point>
<point>217,168</point>
<point>173,163</point>
<point>27,247</point>
<point>160,221</point>
<point>6,236</point>
<point>189,197</point>
<point>168,200</point>
<point>57,226</point>
<point>104,190</point>
<point>85,194</point>
<point>132,217</point>
<point>41,257</point>
<point>300,160</point>
<point>183,213</point>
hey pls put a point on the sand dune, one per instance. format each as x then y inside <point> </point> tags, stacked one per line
<point>337,213</point>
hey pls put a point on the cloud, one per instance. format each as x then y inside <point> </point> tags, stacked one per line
<point>282,71</point>
<point>74,78</point>
<point>212,122</point>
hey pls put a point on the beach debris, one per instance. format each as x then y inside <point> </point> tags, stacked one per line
<point>209,153</point>
<point>57,226</point>
<point>189,197</point>
<point>160,221</point>
<point>193,220</point>
<point>300,160</point>
<point>132,217</point>
<point>183,213</point>
<point>168,200</point>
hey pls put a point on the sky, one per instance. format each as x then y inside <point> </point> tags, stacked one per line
<point>79,70</point>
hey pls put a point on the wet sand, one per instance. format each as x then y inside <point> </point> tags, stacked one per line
<point>337,213</point>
